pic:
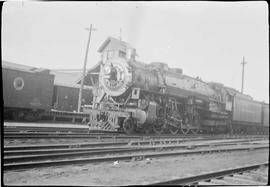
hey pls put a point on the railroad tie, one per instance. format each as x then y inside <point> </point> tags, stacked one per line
<point>257,172</point>
<point>235,180</point>
<point>244,176</point>
<point>256,175</point>
<point>207,183</point>
<point>218,182</point>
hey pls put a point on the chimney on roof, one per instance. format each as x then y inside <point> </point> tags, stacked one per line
<point>131,53</point>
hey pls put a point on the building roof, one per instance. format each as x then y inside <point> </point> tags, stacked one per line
<point>231,91</point>
<point>111,39</point>
<point>20,67</point>
<point>68,79</point>
<point>64,77</point>
<point>61,78</point>
<point>235,92</point>
<point>69,70</point>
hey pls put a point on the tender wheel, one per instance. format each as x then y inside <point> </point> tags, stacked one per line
<point>128,126</point>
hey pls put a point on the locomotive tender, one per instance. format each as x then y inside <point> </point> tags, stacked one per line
<point>133,96</point>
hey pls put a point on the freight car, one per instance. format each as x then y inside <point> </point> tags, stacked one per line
<point>27,91</point>
<point>65,97</point>
<point>30,93</point>
<point>249,115</point>
<point>66,91</point>
<point>133,96</point>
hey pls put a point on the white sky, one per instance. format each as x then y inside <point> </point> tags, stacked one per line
<point>205,39</point>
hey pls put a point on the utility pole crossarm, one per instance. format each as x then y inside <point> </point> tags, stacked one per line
<point>243,71</point>
<point>84,67</point>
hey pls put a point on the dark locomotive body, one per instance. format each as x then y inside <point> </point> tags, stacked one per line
<point>133,96</point>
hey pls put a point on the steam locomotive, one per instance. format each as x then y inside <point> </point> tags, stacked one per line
<point>132,96</point>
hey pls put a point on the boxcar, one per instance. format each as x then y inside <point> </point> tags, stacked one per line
<point>65,98</point>
<point>248,112</point>
<point>266,115</point>
<point>26,90</point>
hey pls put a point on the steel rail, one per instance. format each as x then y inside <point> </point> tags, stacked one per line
<point>78,149</point>
<point>100,144</point>
<point>39,134</point>
<point>53,132</point>
<point>57,136</point>
<point>53,151</point>
<point>142,138</point>
<point>23,133</point>
<point>193,180</point>
<point>59,133</point>
<point>25,165</point>
<point>21,129</point>
<point>63,146</point>
<point>29,128</point>
<point>36,153</point>
<point>84,130</point>
<point>57,154</point>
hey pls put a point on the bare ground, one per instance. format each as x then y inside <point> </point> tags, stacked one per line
<point>134,172</point>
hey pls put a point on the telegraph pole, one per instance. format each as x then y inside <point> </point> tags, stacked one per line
<point>120,37</point>
<point>243,71</point>
<point>84,67</point>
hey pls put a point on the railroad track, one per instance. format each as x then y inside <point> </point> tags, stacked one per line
<point>248,175</point>
<point>38,150</point>
<point>127,143</point>
<point>61,135</point>
<point>102,135</point>
<point>48,157</point>
<point>13,130</point>
<point>31,155</point>
<point>145,141</point>
<point>47,129</point>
